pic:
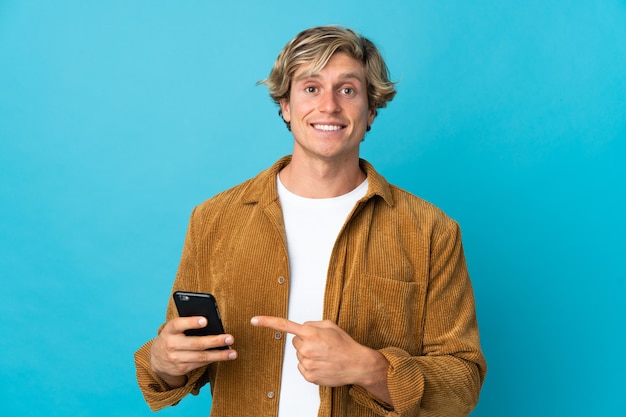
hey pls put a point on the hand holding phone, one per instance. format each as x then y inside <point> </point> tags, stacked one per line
<point>191,304</point>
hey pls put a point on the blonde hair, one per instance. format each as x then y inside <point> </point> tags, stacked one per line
<point>315,46</point>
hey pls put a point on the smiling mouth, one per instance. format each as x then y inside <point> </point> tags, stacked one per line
<point>327,128</point>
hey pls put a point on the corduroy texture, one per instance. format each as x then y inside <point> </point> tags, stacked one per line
<point>397,282</point>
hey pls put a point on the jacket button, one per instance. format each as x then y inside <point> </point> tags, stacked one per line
<point>271,394</point>
<point>281,279</point>
<point>278,335</point>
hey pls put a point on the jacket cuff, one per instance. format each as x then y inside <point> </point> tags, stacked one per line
<point>363,397</point>
<point>405,382</point>
<point>157,393</point>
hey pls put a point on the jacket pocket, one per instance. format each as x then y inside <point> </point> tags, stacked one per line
<point>386,313</point>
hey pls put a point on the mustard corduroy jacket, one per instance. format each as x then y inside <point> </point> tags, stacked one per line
<point>397,282</point>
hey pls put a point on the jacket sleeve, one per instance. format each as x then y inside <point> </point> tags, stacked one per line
<point>445,380</point>
<point>156,392</point>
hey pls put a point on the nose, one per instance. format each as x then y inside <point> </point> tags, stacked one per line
<point>328,102</point>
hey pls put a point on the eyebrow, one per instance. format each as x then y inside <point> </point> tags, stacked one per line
<point>343,77</point>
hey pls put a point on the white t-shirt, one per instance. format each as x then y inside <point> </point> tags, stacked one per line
<point>312,226</point>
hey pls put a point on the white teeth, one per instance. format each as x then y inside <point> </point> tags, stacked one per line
<point>327,128</point>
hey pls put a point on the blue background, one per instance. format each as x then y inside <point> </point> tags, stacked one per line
<point>117,117</point>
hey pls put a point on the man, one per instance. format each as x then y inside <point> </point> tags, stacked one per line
<point>342,295</point>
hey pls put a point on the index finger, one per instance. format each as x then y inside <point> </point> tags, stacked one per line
<point>180,324</point>
<point>277,323</point>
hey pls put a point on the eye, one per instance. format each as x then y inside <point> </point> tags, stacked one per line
<point>310,89</point>
<point>347,91</point>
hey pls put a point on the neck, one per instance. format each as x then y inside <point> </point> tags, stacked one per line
<point>321,180</point>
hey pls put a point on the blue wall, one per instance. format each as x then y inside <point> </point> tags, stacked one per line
<point>117,117</point>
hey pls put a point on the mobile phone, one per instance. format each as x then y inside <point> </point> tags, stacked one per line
<point>191,304</point>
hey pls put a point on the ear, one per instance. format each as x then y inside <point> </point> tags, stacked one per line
<point>284,109</point>
<point>372,113</point>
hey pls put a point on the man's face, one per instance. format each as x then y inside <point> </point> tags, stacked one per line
<point>328,110</point>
